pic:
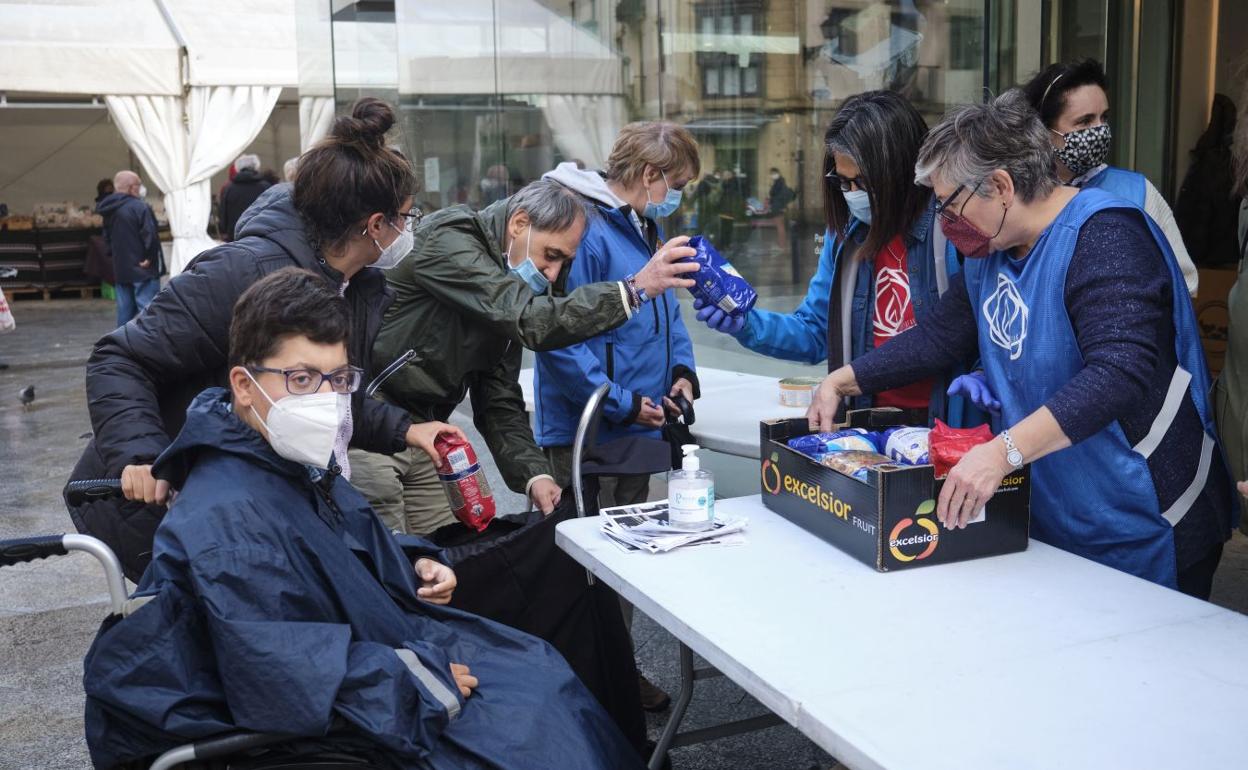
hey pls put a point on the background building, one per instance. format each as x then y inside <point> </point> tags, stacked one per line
<point>495,93</point>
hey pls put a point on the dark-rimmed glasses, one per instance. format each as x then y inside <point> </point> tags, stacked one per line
<point>942,207</point>
<point>302,382</point>
<point>847,184</point>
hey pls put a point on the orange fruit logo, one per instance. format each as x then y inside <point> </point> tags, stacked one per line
<point>927,535</point>
<point>771,474</point>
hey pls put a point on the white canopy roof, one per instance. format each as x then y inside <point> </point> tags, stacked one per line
<point>131,47</point>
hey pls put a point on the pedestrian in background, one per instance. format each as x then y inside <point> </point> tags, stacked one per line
<point>248,184</point>
<point>131,233</point>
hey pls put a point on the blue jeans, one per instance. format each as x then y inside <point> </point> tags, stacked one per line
<point>133,297</point>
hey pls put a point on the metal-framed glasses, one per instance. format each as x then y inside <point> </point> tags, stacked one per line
<point>847,184</point>
<point>303,382</point>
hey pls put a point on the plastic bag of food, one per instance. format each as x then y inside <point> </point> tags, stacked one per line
<point>464,482</point>
<point>854,463</point>
<point>717,282</point>
<point>947,445</point>
<point>908,446</point>
<point>816,445</point>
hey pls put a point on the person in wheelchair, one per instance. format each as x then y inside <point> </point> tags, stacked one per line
<point>277,602</point>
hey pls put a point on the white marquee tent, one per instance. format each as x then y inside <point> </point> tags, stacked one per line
<point>188,83</point>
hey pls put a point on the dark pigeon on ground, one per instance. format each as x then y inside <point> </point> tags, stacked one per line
<point>27,395</point>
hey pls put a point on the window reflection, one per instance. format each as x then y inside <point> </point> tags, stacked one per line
<point>494,94</point>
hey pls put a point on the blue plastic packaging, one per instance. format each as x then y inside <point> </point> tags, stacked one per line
<point>717,282</point>
<point>816,445</point>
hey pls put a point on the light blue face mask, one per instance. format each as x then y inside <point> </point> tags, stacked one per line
<point>528,271</point>
<point>667,206</point>
<point>859,204</point>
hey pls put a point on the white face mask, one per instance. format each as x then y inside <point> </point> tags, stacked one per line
<point>142,191</point>
<point>303,428</point>
<point>394,253</point>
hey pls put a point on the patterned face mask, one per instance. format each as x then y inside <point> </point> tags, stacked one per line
<point>1085,149</point>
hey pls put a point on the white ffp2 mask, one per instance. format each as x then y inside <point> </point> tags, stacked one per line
<point>303,429</point>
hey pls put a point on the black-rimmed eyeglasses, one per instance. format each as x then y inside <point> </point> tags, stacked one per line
<point>412,217</point>
<point>847,184</point>
<point>942,207</point>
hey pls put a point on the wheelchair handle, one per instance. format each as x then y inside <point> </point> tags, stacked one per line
<point>24,549</point>
<point>86,490</point>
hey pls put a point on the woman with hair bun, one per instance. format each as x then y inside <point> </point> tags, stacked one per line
<point>348,213</point>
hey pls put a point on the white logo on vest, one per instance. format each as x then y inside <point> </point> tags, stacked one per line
<point>1006,315</point>
<point>892,297</point>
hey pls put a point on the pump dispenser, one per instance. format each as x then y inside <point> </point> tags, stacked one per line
<point>691,493</point>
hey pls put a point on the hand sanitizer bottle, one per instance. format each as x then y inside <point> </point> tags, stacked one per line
<point>691,493</point>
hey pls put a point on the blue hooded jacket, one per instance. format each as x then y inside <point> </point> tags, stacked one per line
<point>276,601</point>
<point>640,359</point>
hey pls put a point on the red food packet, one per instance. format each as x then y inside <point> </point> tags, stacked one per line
<point>464,482</point>
<point>947,445</point>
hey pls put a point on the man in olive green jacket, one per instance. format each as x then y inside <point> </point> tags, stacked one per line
<point>474,291</point>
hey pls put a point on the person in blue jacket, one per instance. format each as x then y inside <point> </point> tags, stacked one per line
<point>277,602</point>
<point>883,266</point>
<point>1079,315</point>
<point>649,358</point>
<point>1073,103</point>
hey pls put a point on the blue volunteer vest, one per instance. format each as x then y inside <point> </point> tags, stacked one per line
<point>1097,498</point>
<point>1128,185</point>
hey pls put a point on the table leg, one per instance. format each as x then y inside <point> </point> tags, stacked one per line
<point>678,708</point>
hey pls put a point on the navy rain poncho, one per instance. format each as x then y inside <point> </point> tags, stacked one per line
<point>280,605</point>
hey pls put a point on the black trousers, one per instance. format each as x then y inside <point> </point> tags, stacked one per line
<point>1197,580</point>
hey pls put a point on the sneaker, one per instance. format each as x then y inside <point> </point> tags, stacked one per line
<point>652,698</point>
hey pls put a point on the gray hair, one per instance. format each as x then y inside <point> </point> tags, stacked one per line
<point>975,140</point>
<point>247,161</point>
<point>551,206</point>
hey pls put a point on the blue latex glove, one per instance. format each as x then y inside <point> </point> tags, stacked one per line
<point>718,319</point>
<point>975,387</point>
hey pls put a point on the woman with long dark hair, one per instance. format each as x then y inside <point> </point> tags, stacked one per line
<point>883,265</point>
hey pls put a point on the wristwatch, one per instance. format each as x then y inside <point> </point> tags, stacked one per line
<point>1012,455</point>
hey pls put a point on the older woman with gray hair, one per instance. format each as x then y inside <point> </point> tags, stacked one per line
<point>1080,316</point>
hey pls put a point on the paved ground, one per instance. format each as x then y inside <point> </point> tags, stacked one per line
<point>49,611</point>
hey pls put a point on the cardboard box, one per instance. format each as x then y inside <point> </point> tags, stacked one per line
<point>1212,317</point>
<point>889,522</point>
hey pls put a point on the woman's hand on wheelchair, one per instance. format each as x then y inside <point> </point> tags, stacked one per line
<point>437,581</point>
<point>137,483</point>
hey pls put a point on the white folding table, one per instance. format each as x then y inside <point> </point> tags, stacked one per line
<point>1033,660</point>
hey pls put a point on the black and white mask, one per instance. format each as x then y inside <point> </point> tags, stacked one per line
<point>1085,149</point>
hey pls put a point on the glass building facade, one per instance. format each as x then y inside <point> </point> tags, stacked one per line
<point>493,93</point>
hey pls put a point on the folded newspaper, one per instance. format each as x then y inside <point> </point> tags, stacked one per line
<point>645,527</point>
